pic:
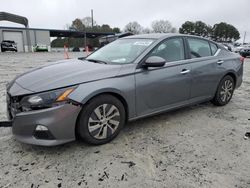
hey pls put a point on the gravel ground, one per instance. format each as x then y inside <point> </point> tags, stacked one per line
<point>198,146</point>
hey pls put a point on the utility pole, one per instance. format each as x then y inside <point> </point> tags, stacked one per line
<point>244,38</point>
<point>92,17</point>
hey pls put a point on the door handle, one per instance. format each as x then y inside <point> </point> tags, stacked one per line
<point>185,71</point>
<point>220,62</point>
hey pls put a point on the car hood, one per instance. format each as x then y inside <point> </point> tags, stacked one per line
<point>61,74</point>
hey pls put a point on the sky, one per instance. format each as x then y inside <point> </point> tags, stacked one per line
<point>55,14</point>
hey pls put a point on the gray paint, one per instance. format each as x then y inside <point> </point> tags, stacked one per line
<point>146,91</point>
<point>58,119</point>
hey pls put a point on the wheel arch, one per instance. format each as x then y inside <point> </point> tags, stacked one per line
<point>114,93</point>
<point>233,75</point>
<point>108,91</point>
<point>229,73</point>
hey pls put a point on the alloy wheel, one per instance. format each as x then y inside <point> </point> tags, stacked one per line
<point>226,91</point>
<point>104,121</point>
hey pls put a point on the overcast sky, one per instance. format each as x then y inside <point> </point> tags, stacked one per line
<point>57,13</point>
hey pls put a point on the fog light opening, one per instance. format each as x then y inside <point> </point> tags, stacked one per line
<point>41,128</point>
<point>42,132</point>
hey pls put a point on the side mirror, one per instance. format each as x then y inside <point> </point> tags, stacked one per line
<point>154,61</point>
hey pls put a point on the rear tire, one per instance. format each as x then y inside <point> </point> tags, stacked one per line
<point>101,120</point>
<point>224,91</point>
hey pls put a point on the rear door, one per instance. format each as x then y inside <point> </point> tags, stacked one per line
<point>164,87</point>
<point>206,67</point>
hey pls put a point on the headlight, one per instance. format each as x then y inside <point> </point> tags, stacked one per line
<point>46,99</point>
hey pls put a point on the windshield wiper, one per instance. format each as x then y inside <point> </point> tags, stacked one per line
<point>97,61</point>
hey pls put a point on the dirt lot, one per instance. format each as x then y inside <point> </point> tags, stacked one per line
<point>198,146</point>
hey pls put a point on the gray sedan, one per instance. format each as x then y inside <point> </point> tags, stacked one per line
<point>134,77</point>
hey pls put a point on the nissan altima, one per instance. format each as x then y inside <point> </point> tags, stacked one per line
<point>137,76</point>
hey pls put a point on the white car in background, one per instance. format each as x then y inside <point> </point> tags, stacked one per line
<point>239,48</point>
<point>41,48</point>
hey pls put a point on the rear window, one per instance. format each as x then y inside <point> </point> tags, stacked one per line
<point>214,48</point>
<point>199,48</point>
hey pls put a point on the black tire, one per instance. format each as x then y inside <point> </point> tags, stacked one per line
<point>88,119</point>
<point>223,95</point>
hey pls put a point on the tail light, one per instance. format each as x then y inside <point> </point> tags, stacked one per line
<point>242,59</point>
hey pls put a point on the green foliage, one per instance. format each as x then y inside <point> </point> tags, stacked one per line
<point>221,32</point>
<point>187,28</point>
<point>198,28</point>
<point>71,42</point>
<point>116,30</point>
<point>224,32</point>
<point>78,25</point>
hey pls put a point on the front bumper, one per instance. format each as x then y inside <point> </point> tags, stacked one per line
<point>60,122</point>
<point>245,53</point>
<point>9,48</point>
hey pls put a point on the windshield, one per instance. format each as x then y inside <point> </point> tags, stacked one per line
<point>121,51</point>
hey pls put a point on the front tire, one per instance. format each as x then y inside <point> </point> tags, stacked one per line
<point>101,120</point>
<point>224,91</point>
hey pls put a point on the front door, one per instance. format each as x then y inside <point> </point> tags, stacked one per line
<point>161,88</point>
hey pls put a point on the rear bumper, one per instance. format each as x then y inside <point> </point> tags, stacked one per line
<point>60,122</point>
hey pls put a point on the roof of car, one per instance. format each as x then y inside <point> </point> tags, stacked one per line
<point>8,41</point>
<point>159,36</point>
<point>152,35</point>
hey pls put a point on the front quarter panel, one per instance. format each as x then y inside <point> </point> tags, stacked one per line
<point>123,85</point>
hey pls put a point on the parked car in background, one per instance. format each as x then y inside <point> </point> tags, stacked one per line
<point>239,48</point>
<point>41,48</point>
<point>133,77</point>
<point>76,49</point>
<point>244,52</point>
<point>8,45</point>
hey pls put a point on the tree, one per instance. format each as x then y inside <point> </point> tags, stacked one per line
<point>201,29</point>
<point>224,32</point>
<point>198,28</point>
<point>146,30</point>
<point>133,27</point>
<point>221,32</point>
<point>87,21</point>
<point>106,28</point>
<point>162,26</point>
<point>78,25</point>
<point>116,30</point>
<point>187,28</point>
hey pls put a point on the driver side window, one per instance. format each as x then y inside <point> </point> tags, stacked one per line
<point>170,50</point>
